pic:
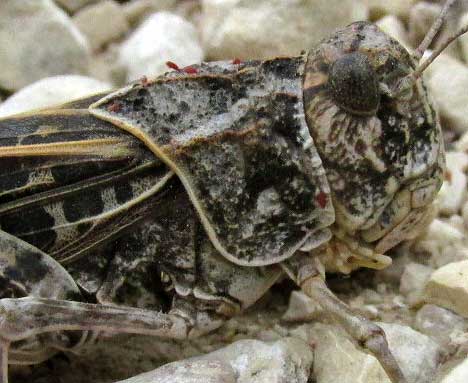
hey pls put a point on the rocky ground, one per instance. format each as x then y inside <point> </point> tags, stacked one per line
<point>52,52</point>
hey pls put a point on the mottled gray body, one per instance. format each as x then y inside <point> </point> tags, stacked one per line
<point>172,204</point>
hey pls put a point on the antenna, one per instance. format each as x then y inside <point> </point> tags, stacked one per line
<point>408,81</point>
<point>435,27</point>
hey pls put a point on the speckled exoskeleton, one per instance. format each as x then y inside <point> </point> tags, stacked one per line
<point>167,206</point>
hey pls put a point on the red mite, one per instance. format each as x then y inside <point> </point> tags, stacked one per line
<point>236,61</point>
<point>115,107</point>
<point>172,65</point>
<point>188,69</point>
<point>144,81</point>
<point>321,199</point>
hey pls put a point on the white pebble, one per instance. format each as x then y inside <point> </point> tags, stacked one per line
<point>51,91</point>
<point>162,37</point>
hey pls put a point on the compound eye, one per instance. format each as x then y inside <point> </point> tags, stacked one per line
<point>354,84</point>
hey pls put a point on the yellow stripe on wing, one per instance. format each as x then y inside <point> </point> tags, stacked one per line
<point>104,147</point>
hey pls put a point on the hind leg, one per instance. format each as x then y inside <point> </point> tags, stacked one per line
<point>26,271</point>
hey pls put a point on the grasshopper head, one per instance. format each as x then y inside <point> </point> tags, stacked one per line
<point>380,142</point>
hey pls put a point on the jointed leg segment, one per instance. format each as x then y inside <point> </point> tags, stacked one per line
<point>367,334</point>
<point>22,318</point>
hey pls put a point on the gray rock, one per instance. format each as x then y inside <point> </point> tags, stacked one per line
<point>417,354</point>
<point>447,79</point>
<point>260,29</point>
<point>246,361</point>
<point>38,40</point>
<point>162,37</point>
<point>301,308</point>
<point>101,23</point>
<point>188,371</point>
<point>286,361</point>
<point>51,91</point>
<point>439,323</point>
<point>413,281</point>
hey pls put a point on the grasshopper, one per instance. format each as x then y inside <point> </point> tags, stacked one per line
<point>172,204</point>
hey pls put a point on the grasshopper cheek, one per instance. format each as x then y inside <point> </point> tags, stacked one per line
<point>354,84</point>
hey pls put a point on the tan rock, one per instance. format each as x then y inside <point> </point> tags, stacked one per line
<point>135,11</point>
<point>338,359</point>
<point>264,28</point>
<point>379,8</point>
<point>101,23</point>
<point>464,38</point>
<point>448,287</point>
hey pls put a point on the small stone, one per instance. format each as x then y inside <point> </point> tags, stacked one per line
<point>459,374</point>
<point>441,244</point>
<point>51,91</point>
<point>135,11</point>
<point>447,79</point>
<point>392,273</point>
<point>453,190</point>
<point>421,17</point>
<point>380,8</point>
<point>439,323</point>
<point>259,29</point>
<point>465,214</point>
<point>285,361</point>
<point>464,39</point>
<point>448,287</point>
<point>301,308</point>
<point>457,222</point>
<point>188,371</point>
<point>162,37</point>
<point>417,354</point>
<point>339,359</point>
<point>49,45</point>
<point>74,5</point>
<point>394,27</point>
<point>101,23</point>
<point>413,281</point>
